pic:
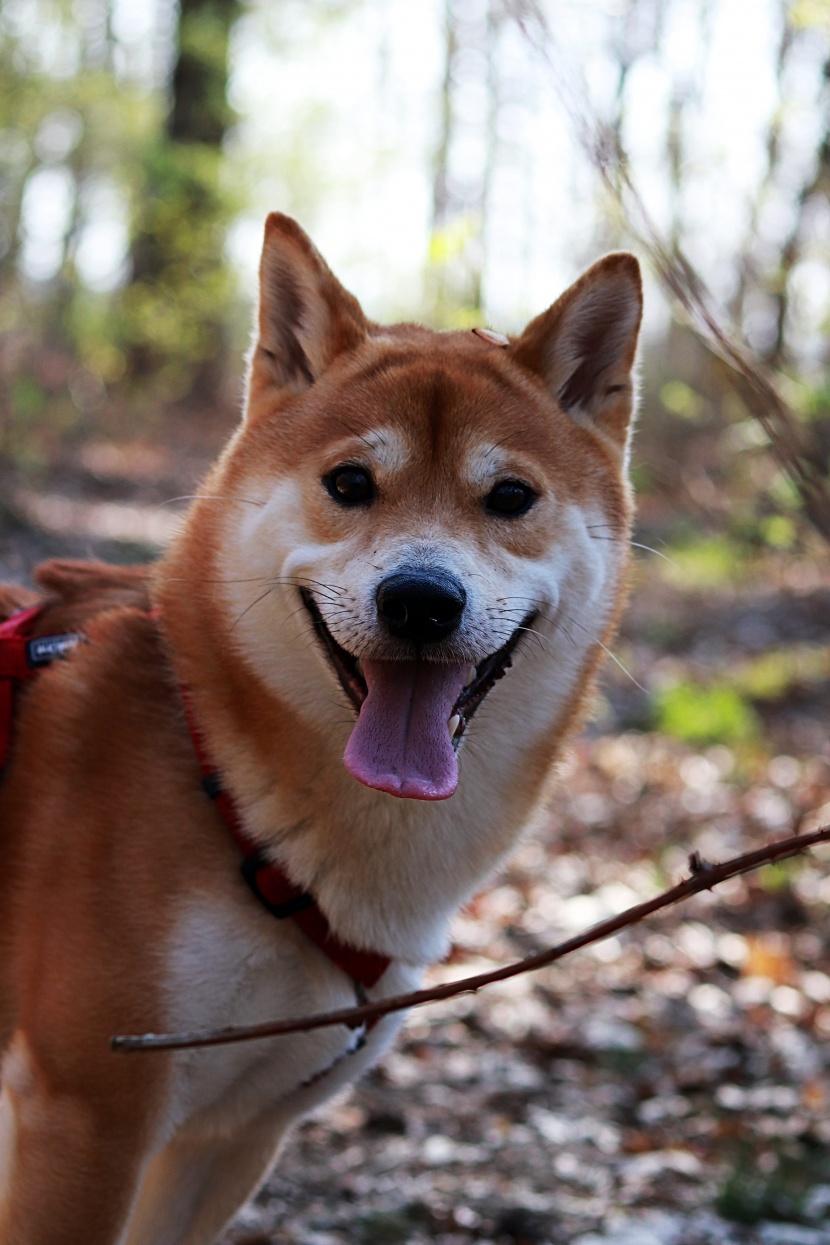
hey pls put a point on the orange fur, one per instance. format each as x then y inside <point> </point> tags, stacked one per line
<point>121,909</point>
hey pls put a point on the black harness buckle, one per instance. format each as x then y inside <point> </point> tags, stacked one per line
<point>250,868</point>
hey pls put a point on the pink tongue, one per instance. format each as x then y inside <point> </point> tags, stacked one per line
<point>400,742</point>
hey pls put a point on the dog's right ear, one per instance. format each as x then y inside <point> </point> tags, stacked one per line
<point>583,347</point>
<point>306,317</point>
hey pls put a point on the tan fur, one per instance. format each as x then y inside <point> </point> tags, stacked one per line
<point>121,908</point>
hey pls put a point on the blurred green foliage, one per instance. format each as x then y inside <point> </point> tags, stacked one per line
<point>723,709</point>
<point>779,671</point>
<point>680,399</point>
<point>700,714</point>
<point>172,315</point>
<point>709,562</point>
<point>115,290</point>
<point>780,1189</point>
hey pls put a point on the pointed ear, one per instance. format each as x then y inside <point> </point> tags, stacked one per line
<point>306,317</point>
<point>583,347</point>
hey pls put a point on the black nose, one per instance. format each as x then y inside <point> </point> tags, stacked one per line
<point>421,606</point>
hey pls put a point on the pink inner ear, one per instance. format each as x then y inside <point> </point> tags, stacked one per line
<point>583,347</point>
<point>306,317</point>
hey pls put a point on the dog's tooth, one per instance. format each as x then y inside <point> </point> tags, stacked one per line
<point>453,724</point>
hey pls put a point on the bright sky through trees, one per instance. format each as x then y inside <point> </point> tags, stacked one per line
<point>340,106</point>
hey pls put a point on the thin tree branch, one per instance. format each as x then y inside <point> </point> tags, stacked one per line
<point>790,443</point>
<point>704,877</point>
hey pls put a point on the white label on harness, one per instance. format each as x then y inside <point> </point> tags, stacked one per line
<point>46,648</point>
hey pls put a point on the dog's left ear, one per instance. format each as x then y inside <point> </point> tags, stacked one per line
<point>583,347</point>
<point>306,317</point>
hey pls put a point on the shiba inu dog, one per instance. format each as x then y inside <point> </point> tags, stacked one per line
<point>403,518</point>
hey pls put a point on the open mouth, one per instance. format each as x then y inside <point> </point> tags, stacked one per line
<point>412,714</point>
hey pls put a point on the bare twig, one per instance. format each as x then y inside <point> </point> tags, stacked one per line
<point>704,877</point>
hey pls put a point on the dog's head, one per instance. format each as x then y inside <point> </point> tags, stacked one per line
<point>413,507</point>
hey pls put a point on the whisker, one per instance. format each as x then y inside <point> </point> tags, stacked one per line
<point>617,661</point>
<point>533,600</point>
<point>252,579</point>
<point>360,436</point>
<point>635,544</point>
<point>272,581</point>
<point>245,501</point>
<point>608,653</point>
<point>505,611</point>
<point>261,597</point>
<point>559,626</point>
<point>517,432</point>
<point>537,635</point>
<point>306,579</point>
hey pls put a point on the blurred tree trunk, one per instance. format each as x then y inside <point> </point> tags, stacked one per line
<point>460,202</point>
<point>200,111</point>
<point>441,201</point>
<point>174,309</point>
<point>816,189</point>
<point>749,266</point>
<point>492,29</point>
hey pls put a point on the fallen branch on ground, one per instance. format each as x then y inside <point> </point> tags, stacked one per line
<point>704,877</point>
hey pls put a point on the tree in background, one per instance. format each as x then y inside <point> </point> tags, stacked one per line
<point>118,148</point>
<point>73,108</point>
<point>114,285</point>
<point>460,187</point>
<point>174,309</point>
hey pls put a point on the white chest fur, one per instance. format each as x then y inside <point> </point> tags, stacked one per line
<point>231,962</point>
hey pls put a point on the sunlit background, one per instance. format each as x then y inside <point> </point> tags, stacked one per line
<point>428,148</point>
<point>436,153</point>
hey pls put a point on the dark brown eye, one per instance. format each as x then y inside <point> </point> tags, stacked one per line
<point>349,485</point>
<point>510,498</point>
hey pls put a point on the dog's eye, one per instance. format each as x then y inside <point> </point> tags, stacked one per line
<point>351,486</point>
<point>510,498</point>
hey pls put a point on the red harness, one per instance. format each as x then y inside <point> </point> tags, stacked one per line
<point>271,886</point>
<point>21,657</point>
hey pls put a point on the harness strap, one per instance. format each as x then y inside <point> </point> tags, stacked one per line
<point>21,658</point>
<point>273,888</point>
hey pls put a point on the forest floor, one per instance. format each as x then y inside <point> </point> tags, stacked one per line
<point>668,1086</point>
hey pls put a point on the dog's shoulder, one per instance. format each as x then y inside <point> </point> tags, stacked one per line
<point>72,593</point>
<point>13,597</point>
<point>122,671</point>
<point>119,679</point>
<point>75,592</point>
<point>104,728</point>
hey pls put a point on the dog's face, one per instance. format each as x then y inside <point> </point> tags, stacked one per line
<point>416,507</point>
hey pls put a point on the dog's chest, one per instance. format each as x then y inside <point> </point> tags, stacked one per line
<point>234,964</point>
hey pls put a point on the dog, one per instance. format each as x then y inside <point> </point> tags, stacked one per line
<point>352,673</point>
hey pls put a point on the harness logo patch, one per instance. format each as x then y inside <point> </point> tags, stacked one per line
<point>47,648</point>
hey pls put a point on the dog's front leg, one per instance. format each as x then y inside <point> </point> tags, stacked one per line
<point>192,1188</point>
<point>68,1172</point>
